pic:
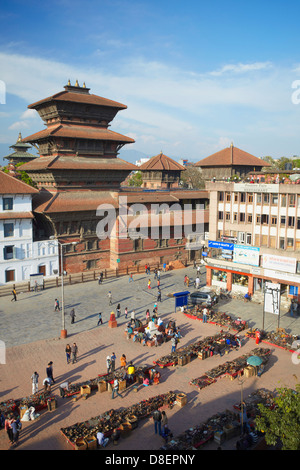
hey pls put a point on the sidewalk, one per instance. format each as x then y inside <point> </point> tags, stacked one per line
<point>31,331</point>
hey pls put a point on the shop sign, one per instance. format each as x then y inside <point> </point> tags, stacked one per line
<point>246,255</point>
<point>280,263</point>
<point>220,245</point>
<point>294,280</point>
<point>256,188</point>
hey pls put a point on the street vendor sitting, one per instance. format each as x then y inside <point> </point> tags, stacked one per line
<point>156,378</point>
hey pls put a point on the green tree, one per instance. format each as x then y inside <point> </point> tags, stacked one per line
<point>135,179</point>
<point>191,177</point>
<point>282,423</point>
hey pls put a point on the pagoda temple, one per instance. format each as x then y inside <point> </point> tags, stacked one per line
<point>20,154</point>
<point>161,172</point>
<point>79,170</point>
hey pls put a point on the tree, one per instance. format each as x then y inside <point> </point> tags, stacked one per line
<point>283,421</point>
<point>135,179</point>
<point>192,178</point>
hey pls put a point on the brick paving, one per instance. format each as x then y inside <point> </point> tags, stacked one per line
<point>31,329</point>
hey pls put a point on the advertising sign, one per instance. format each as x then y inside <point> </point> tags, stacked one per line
<point>280,263</point>
<point>220,245</point>
<point>246,255</point>
<point>272,298</point>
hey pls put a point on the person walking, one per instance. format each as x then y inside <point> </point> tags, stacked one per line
<point>130,278</point>
<point>72,315</point>
<point>132,317</point>
<point>35,382</point>
<point>56,305</point>
<point>205,313</point>
<point>8,428</point>
<point>123,361</point>
<point>16,427</point>
<point>126,312</point>
<point>68,353</point>
<point>174,344</point>
<point>108,364</point>
<point>14,293</point>
<point>149,284</point>
<point>115,390</point>
<point>109,295</point>
<point>159,296</point>
<point>147,316</point>
<point>99,318</point>
<point>164,421</point>
<point>157,416</point>
<point>74,352</point>
<point>49,372</point>
<point>113,362</point>
<point>118,310</point>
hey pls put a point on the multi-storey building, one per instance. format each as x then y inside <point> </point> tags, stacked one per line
<point>258,230</point>
<point>20,256</point>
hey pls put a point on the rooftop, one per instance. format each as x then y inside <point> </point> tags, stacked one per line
<point>161,162</point>
<point>11,185</point>
<point>232,156</point>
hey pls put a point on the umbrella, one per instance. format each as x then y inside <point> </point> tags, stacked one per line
<point>254,360</point>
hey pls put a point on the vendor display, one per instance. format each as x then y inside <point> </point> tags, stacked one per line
<point>221,426</point>
<point>234,368</point>
<point>38,401</point>
<point>221,342</point>
<point>279,338</point>
<point>218,318</point>
<point>124,419</point>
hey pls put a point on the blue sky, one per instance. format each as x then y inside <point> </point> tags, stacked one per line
<point>195,75</point>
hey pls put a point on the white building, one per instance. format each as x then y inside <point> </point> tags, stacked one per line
<point>20,256</point>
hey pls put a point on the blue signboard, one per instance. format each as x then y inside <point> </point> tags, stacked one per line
<point>181,299</point>
<point>221,245</point>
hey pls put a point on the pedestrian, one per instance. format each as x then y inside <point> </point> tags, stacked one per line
<point>74,352</point>
<point>149,284</point>
<point>123,361</point>
<point>108,364</point>
<point>132,316</point>
<point>49,372</point>
<point>126,312</point>
<point>56,305</point>
<point>130,372</point>
<point>205,313</point>
<point>130,278</point>
<point>164,421</point>
<point>155,273</point>
<point>197,282</point>
<point>158,283</point>
<point>147,316</point>
<point>159,296</point>
<point>174,344</point>
<point>113,362</point>
<point>68,353</point>
<point>14,293</point>
<point>35,382</point>
<point>36,286</point>
<point>16,427</point>
<point>257,337</point>
<point>109,295</point>
<point>118,310</point>
<point>157,416</point>
<point>164,267</point>
<point>115,389</point>
<point>8,428</point>
<point>72,315</point>
<point>99,318</point>
<point>158,275</point>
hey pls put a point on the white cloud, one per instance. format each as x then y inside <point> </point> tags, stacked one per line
<point>19,125</point>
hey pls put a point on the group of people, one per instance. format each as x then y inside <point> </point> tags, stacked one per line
<point>12,426</point>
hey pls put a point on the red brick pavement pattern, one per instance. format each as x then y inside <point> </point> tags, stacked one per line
<point>94,345</point>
